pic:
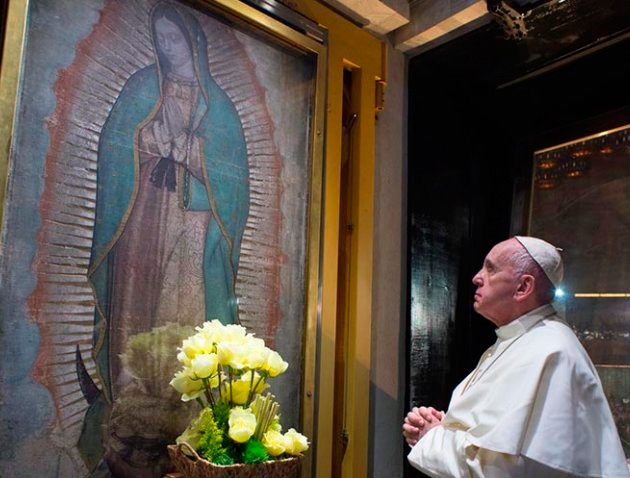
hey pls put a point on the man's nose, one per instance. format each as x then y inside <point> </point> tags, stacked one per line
<point>477,279</point>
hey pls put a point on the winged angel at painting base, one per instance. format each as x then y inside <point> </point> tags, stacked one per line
<point>172,203</point>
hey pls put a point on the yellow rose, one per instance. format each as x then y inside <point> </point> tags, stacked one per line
<point>211,331</point>
<point>241,387</point>
<point>275,442</point>
<point>256,354</point>
<point>196,345</point>
<point>188,349</point>
<point>275,365</point>
<point>183,359</point>
<point>211,327</point>
<point>187,385</point>
<point>236,392</point>
<point>234,333</point>
<point>204,365</point>
<point>297,443</point>
<point>242,424</point>
<point>255,342</point>
<point>233,355</point>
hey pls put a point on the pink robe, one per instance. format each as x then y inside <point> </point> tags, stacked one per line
<point>159,255</point>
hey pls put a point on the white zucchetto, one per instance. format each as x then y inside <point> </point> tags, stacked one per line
<point>546,256</point>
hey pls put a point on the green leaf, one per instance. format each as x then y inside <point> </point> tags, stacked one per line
<point>222,415</point>
<point>210,444</point>
<point>196,429</point>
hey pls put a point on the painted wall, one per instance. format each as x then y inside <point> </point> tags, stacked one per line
<point>389,305</point>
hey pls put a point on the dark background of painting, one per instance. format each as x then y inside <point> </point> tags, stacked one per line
<point>589,218</point>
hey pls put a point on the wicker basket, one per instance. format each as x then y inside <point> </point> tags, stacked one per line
<point>191,465</point>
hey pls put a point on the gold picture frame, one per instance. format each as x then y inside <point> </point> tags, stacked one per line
<point>580,202</point>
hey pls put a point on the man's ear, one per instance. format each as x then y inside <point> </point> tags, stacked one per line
<point>526,287</point>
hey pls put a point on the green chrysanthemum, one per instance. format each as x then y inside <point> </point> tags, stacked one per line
<point>254,452</point>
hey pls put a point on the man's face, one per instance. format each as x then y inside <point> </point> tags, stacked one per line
<point>496,282</point>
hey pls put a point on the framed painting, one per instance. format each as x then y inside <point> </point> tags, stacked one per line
<point>580,201</point>
<point>163,167</point>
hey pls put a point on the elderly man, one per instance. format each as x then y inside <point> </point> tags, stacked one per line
<point>534,406</point>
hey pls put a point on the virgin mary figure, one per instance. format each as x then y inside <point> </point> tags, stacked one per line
<point>171,205</point>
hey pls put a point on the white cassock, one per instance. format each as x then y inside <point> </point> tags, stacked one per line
<point>534,407</point>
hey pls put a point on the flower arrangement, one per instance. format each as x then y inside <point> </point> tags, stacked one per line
<point>225,370</point>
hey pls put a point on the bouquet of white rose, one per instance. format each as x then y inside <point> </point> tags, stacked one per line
<point>225,370</point>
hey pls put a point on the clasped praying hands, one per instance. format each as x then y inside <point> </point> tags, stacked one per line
<point>419,421</point>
